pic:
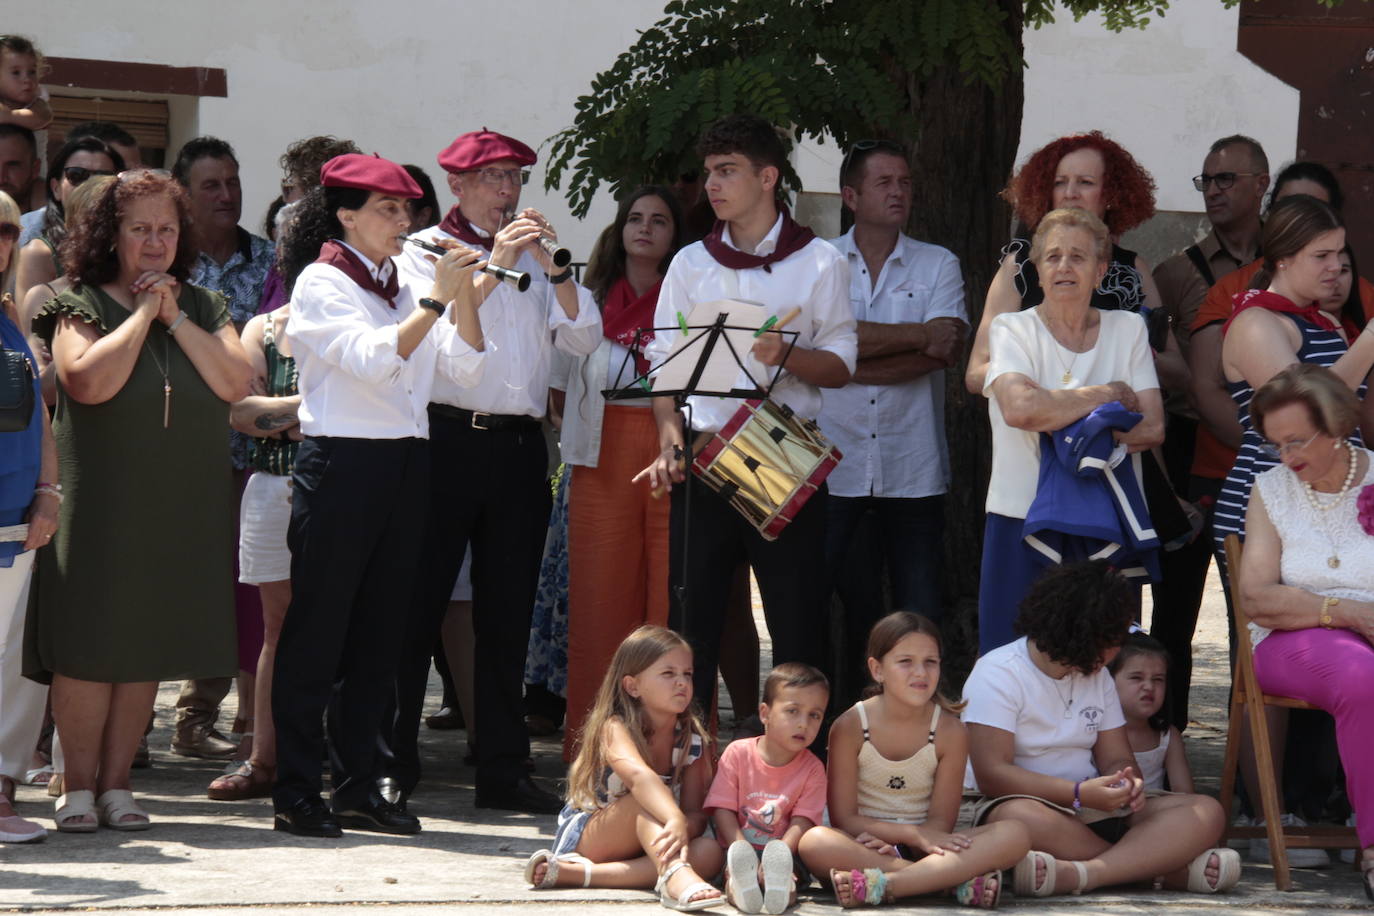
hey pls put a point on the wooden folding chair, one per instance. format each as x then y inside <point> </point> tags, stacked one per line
<point>1244,688</point>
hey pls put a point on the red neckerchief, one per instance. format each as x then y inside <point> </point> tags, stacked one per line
<point>628,319</point>
<point>1262,298</point>
<point>338,255</point>
<point>792,238</point>
<point>457,225</point>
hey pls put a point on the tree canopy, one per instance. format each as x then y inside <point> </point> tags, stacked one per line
<point>841,68</point>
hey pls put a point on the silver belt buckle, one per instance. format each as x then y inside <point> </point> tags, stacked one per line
<point>475,424</point>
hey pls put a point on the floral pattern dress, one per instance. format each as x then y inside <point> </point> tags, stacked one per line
<point>546,663</point>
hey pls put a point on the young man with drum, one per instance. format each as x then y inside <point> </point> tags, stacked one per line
<point>755,252</point>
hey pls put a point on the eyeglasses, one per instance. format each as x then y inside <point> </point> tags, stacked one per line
<point>1224,180</point>
<point>495,177</point>
<point>1277,452</point>
<point>9,232</point>
<point>76,174</point>
<point>866,146</point>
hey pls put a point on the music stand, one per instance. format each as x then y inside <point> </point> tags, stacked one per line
<point>707,377</point>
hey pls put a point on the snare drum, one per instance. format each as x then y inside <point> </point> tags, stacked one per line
<point>767,463</point>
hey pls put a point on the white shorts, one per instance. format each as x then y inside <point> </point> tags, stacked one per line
<point>462,589</point>
<point>263,517</point>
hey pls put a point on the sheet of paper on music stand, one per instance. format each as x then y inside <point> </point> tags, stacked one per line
<point>722,372</point>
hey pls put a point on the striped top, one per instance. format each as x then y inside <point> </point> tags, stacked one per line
<point>271,454</point>
<point>1319,346</point>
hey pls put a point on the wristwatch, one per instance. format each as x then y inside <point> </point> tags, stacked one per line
<point>434,305</point>
<point>556,279</point>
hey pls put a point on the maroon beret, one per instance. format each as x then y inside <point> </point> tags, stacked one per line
<point>369,173</point>
<point>476,149</point>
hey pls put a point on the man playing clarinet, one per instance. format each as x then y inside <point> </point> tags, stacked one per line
<point>490,487</point>
<point>755,252</point>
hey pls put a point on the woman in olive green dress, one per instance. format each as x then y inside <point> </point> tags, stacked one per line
<point>137,587</point>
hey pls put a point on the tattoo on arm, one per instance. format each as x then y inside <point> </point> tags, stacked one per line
<point>273,422</point>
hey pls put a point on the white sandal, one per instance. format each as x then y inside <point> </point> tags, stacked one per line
<point>551,872</point>
<point>683,902</point>
<point>73,806</point>
<point>1228,871</point>
<point>116,804</point>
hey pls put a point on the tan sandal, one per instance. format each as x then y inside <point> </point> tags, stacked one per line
<point>74,806</point>
<point>246,781</point>
<point>115,805</point>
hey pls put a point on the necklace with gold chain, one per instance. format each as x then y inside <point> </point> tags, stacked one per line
<point>1067,377</point>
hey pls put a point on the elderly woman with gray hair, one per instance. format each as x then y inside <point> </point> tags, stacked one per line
<point>1051,366</point>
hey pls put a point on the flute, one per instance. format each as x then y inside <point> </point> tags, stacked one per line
<point>517,278</point>
<point>560,256</point>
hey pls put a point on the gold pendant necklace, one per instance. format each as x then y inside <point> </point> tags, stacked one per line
<point>1067,377</point>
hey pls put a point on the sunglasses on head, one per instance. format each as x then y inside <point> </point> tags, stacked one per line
<point>76,174</point>
<point>9,232</point>
<point>866,146</point>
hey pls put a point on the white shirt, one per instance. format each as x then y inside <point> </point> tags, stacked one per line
<point>1020,343</point>
<point>815,278</point>
<point>520,331</point>
<point>893,436</point>
<point>1054,723</point>
<point>584,378</point>
<point>353,381</point>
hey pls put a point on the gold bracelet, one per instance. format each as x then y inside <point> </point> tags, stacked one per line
<point>1327,604</point>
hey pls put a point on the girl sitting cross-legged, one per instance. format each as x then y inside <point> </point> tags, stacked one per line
<point>1048,746</point>
<point>896,770</point>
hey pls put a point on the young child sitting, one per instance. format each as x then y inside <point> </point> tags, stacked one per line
<point>1141,673</point>
<point>770,790</point>
<point>20,102</point>
<point>896,771</point>
<point>1047,741</point>
<point>634,815</point>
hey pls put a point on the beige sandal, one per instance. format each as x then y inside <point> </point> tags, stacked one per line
<point>71,808</point>
<point>115,805</point>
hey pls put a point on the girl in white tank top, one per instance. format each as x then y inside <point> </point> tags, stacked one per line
<point>895,775</point>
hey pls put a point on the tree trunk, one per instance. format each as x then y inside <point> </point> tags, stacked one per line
<point>961,161</point>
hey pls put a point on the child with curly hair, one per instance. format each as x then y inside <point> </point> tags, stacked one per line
<point>1048,747</point>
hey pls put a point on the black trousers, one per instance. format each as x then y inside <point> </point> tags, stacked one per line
<point>791,573</point>
<point>357,519</point>
<point>489,489</point>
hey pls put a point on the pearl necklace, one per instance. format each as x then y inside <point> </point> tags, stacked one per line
<point>1333,561</point>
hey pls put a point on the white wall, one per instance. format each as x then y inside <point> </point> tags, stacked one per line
<point>1164,93</point>
<point>402,79</point>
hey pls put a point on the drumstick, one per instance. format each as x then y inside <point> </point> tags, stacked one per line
<point>774,323</point>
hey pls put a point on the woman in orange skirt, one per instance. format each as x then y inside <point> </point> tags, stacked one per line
<point>618,534</point>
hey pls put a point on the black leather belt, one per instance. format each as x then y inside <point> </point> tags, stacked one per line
<point>489,421</point>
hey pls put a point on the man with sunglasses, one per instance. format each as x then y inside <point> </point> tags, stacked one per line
<point>1199,443</point>
<point>908,299</point>
<point>493,492</point>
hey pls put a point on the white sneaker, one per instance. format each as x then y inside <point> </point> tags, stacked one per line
<point>1348,855</point>
<point>1241,842</point>
<point>1297,858</point>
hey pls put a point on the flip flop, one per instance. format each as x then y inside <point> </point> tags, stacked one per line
<point>1228,871</point>
<point>742,877</point>
<point>683,902</point>
<point>777,877</point>
<point>116,804</point>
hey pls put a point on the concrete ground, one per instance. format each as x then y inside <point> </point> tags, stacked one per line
<point>223,857</point>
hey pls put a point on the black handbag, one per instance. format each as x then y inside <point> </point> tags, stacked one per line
<point>16,391</point>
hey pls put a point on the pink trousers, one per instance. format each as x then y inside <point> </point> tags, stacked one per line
<point>1333,669</point>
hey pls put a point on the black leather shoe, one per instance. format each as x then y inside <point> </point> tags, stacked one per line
<point>449,717</point>
<point>376,814</point>
<point>521,795</point>
<point>308,817</point>
<point>391,790</point>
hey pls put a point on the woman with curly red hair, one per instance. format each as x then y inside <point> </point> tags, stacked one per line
<point>1092,173</point>
<point>136,585</point>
